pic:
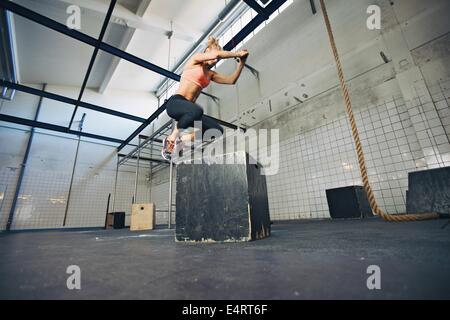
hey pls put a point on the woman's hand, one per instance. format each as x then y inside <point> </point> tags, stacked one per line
<point>231,79</point>
<point>242,55</point>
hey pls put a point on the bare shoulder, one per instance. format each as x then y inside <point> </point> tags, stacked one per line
<point>190,63</point>
<point>196,59</point>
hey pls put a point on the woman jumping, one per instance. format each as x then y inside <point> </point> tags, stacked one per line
<point>196,76</point>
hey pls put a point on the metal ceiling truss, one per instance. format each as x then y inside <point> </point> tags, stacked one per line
<point>98,44</point>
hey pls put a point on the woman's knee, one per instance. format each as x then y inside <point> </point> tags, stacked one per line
<point>197,112</point>
<point>172,110</point>
<point>211,125</point>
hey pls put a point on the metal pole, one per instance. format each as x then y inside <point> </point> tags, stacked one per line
<point>137,171</point>
<point>169,37</point>
<point>115,185</point>
<point>107,211</point>
<point>151,164</point>
<point>313,6</point>
<point>150,181</point>
<point>23,166</point>
<point>238,121</point>
<point>169,218</point>
<point>80,127</point>
<point>4,195</point>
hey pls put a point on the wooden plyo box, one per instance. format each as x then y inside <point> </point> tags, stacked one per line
<point>142,216</point>
<point>109,220</point>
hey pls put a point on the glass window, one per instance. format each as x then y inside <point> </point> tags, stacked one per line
<point>236,27</point>
<point>246,17</point>
<point>285,5</point>
<point>272,16</point>
<point>227,36</point>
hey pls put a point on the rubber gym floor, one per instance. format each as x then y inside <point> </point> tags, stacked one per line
<point>326,259</point>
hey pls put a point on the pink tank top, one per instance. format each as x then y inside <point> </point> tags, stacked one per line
<point>197,76</point>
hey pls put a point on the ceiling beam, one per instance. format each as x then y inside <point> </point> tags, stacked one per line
<point>57,97</point>
<point>92,61</point>
<point>52,127</point>
<point>253,24</point>
<point>124,43</point>
<point>61,28</point>
<point>255,6</point>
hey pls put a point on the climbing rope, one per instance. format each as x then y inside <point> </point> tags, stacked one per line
<point>355,134</point>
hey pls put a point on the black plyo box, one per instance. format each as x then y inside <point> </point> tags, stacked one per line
<point>429,191</point>
<point>119,220</point>
<point>221,202</point>
<point>115,220</point>
<point>348,202</point>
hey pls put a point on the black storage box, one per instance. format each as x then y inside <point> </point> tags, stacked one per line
<point>348,202</point>
<point>115,220</point>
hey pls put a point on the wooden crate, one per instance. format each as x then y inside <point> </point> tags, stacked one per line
<point>142,216</point>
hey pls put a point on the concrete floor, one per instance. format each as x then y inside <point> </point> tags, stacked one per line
<point>302,260</point>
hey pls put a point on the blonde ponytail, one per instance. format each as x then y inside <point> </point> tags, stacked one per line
<point>213,42</point>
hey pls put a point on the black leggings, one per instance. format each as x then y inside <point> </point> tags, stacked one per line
<point>186,112</point>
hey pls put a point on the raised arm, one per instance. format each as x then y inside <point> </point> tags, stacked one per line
<point>232,78</point>
<point>215,54</point>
